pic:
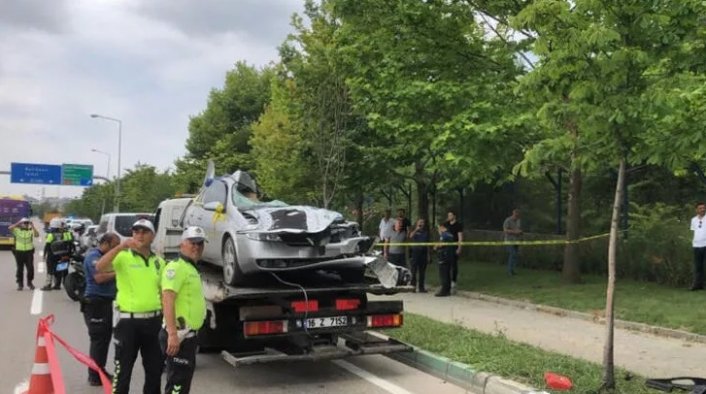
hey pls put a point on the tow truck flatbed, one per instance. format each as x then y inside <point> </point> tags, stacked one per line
<point>216,290</point>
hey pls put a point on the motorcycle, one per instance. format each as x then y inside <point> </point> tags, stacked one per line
<point>75,280</point>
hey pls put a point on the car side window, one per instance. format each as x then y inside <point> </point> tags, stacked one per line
<point>216,192</point>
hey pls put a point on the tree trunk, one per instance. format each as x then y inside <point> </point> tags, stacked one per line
<point>421,179</point>
<point>422,200</point>
<point>359,200</point>
<point>571,270</point>
<point>608,361</point>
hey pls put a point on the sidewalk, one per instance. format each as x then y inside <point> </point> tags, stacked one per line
<point>644,354</point>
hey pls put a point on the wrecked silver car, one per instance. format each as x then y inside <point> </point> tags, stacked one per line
<point>249,237</point>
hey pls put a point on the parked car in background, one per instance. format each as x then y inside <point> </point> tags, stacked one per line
<point>120,223</point>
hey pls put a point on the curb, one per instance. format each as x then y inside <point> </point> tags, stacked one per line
<point>624,324</point>
<point>460,374</point>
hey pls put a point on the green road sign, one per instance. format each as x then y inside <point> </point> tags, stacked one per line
<point>77,174</point>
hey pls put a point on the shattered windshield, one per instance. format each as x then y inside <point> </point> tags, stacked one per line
<point>245,193</point>
<point>250,202</point>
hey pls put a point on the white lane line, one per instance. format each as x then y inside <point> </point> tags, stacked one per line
<point>41,267</point>
<point>37,298</point>
<point>380,382</point>
<point>21,388</point>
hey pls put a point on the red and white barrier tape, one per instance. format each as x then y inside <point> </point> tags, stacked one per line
<point>43,329</point>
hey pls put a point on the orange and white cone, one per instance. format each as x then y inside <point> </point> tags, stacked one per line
<point>40,381</point>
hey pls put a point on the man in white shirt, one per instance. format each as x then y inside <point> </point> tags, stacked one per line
<point>698,226</point>
<point>385,229</point>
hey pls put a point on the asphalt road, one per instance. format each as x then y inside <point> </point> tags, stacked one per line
<point>366,374</point>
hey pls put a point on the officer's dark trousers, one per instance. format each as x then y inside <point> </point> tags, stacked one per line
<point>418,264</point>
<point>133,336</point>
<point>98,315</point>
<point>453,268</point>
<point>54,276</point>
<point>445,277</point>
<point>25,261</point>
<point>180,368</point>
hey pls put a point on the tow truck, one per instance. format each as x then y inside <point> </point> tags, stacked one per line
<point>301,316</point>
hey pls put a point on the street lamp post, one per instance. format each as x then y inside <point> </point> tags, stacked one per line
<point>107,173</point>
<point>120,143</point>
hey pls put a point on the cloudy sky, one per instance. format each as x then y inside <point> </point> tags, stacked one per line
<point>150,63</point>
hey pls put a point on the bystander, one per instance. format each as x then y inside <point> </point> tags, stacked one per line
<point>512,227</point>
<point>699,244</point>
<point>397,253</point>
<point>97,304</point>
<point>446,253</point>
<point>455,228</point>
<point>419,255</point>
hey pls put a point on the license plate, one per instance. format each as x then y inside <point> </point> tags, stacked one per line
<point>329,321</point>
<point>62,266</point>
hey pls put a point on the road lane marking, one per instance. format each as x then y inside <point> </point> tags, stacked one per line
<point>380,382</point>
<point>21,388</point>
<point>41,267</point>
<point>37,297</point>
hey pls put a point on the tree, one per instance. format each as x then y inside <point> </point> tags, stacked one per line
<point>221,132</point>
<point>319,98</point>
<point>143,188</point>
<point>94,201</point>
<point>278,150</point>
<point>598,67</point>
<point>431,87</point>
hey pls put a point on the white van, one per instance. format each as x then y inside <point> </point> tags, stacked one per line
<point>168,227</point>
<point>120,223</point>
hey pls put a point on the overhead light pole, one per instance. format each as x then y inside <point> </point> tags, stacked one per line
<point>120,142</point>
<point>107,173</point>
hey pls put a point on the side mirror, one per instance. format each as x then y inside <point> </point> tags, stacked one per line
<point>214,206</point>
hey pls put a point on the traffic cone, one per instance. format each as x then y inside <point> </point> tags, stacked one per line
<point>40,381</point>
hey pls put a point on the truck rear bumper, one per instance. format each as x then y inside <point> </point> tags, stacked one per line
<point>355,344</point>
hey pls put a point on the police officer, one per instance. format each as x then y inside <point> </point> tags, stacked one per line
<point>97,304</point>
<point>24,233</point>
<point>184,311</point>
<point>59,235</point>
<point>137,276</point>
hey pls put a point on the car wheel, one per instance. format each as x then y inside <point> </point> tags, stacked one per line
<point>232,274</point>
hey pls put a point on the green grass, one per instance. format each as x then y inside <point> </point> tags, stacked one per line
<point>642,302</point>
<point>512,360</point>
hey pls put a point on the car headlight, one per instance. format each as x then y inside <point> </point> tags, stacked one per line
<point>263,237</point>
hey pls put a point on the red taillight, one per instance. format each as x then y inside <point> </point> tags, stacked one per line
<point>305,306</point>
<point>394,320</point>
<point>347,304</point>
<point>253,328</point>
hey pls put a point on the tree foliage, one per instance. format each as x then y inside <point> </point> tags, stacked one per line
<point>222,131</point>
<point>142,189</point>
<point>599,69</point>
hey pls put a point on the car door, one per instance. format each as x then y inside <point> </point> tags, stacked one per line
<point>212,222</point>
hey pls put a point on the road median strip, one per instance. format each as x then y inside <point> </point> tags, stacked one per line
<point>492,364</point>
<point>624,324</point>
<point>460,374</point>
